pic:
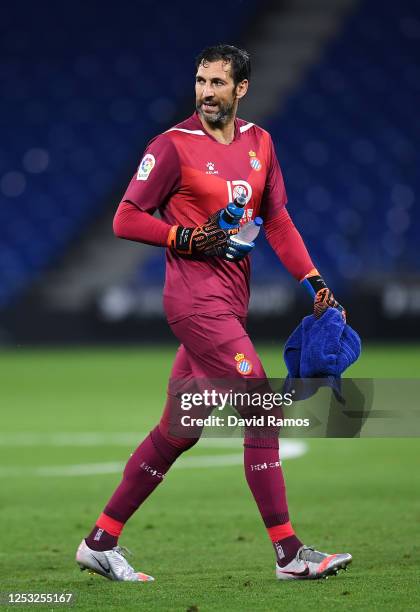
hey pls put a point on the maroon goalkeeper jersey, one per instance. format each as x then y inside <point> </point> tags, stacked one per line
<point>188,175</point>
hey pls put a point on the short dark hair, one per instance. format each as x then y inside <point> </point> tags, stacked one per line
<point>238,58</point>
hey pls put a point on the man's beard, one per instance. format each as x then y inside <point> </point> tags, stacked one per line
<point>224,114</point>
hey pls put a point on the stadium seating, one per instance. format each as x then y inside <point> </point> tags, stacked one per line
<point>347,145</point>
<point>84,86</point>
<point>78,102</point>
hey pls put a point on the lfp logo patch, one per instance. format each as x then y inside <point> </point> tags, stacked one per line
<point>146,166</point>
<point>254,161</point>
<point>243,365</point>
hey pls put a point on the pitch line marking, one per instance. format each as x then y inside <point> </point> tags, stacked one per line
<point>95,438</point>
<point>290,450</point>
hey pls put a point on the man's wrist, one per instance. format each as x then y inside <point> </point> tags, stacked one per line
<point>313,282</point>
<point>323,296</point>
<point>180,239</point>
<point>171,240</point>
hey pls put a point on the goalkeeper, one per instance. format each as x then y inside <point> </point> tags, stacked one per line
<point>189,173</point>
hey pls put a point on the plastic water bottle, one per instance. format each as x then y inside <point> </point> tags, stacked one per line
<point>249,232</point>
<point>233,213</point>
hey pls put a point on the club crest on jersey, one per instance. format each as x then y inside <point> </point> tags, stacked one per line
<point>211,168</point>
<point>243,365</point>
<point>146,166</point>
<point>254,161</point>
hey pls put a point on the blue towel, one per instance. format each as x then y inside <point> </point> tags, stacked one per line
<point>323,347</point>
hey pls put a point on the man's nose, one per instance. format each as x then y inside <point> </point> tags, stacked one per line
<point>208,91</point>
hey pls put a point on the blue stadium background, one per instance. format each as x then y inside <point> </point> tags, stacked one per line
<point>84,86</point>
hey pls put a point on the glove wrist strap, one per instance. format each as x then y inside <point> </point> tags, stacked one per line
<point>180,239</point>
<point>171,240</point>
<point>313,282</point>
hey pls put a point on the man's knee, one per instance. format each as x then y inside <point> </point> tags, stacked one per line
<point>178,443</point>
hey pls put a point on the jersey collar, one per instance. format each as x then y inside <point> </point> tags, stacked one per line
<point>195,121</point>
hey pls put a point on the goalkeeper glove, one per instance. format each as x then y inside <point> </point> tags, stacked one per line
<point>241,245</point>
<point>207,239</point>
<point>323,296</point>
<point>237,249</point>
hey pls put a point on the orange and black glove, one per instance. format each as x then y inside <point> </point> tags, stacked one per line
<point>323,296</point>
<point>207,240</point>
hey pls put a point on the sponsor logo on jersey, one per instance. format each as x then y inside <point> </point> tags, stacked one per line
<point>254,161</point>
<point>243,365</point>
<point>211,168</point>
<point>146,166</point>
<point>239,188</point>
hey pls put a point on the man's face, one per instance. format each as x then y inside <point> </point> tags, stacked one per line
<point>215,92</point>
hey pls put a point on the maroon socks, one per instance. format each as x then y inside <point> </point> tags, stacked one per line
<point>265,479</point>
<point>99,538</point>
<point>144,471</point>
<point>148,465</point>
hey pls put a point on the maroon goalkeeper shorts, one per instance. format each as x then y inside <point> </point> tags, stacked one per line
<point>215,346</point>
<point>215,353</point>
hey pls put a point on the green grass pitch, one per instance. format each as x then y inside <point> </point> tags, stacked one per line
<point>199,534</point>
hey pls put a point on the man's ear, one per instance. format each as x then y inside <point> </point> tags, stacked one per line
<point>241,88</point>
